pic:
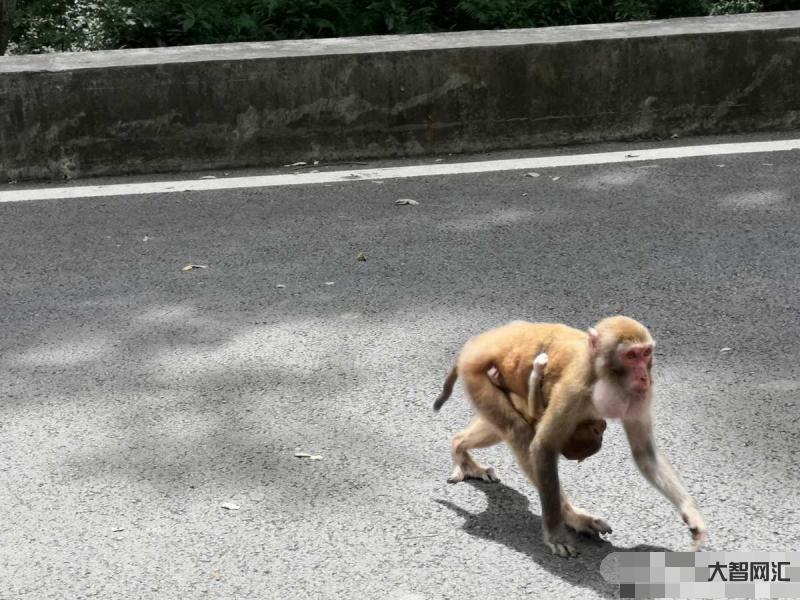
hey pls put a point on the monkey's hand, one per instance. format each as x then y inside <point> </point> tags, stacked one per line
<point>697,527</point>
<point>560,542</point>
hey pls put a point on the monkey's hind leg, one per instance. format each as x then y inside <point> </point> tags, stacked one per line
<point>479,434</point>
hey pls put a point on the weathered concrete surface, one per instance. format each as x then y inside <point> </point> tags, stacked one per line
<point>258,104</point>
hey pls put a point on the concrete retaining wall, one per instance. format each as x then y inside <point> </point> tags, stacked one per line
<point>136,111</point>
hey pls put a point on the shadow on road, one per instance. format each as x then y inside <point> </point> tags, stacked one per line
<point>508,520</point>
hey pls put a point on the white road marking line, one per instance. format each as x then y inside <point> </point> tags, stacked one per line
<point>426,170</point>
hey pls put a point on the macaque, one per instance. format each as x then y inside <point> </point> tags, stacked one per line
<point>603,373</point>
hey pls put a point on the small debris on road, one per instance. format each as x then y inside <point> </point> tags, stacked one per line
<point>631,156</point>
<point>297,164</point>
<point>308,456</point>
<point>532,174</point>
<point>361,257</point>
<point>145,238</point>
<point>280,286</point>
<point>556,178</point>
<point>117,529</point>
<point>406,202</point>
<point>726,350</point>
<point>329,282</point>
<point>229,506</point>
<point>192,267</point>
<point>208,177</point>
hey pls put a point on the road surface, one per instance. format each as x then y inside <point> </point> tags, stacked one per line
<point>137,398</point>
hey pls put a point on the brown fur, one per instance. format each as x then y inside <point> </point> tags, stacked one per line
<point>586,440</point>
<point>585,380</point>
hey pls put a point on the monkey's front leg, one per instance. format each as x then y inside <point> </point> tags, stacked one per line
<point>541,467</point>
<point>659,472</point>
<point>545,466</point>
<point>557,510</point>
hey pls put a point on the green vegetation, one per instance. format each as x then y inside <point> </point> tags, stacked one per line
<point>54,25</point>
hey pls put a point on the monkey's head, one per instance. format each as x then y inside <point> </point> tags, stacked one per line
<point>587,440</point>
<point>622,357</point>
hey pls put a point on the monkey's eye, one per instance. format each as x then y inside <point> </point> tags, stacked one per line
<point>631,354</point>
<point>648,352</point>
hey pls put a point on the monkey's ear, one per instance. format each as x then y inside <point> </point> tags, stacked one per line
<point>594,340</point>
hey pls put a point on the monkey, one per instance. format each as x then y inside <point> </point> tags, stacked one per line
<point>601,373</point>
<point>588,436</point>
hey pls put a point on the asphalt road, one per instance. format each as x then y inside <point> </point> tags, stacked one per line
<point>136,398</point>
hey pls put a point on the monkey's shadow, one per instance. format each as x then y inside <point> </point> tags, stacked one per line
<point>509,521</point>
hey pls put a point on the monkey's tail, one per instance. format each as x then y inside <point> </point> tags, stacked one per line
<point>447,389</point>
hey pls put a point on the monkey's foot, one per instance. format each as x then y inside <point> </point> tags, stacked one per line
<point>564,550</point>
<point>474,472</point>
<point>583,522</point>
<point>560,543</point>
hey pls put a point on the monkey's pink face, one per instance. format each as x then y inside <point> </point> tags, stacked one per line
<point>637,360</point>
